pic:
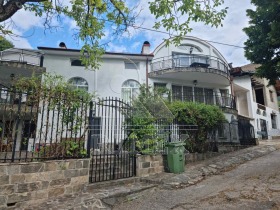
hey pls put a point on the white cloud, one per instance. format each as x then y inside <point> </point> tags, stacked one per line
<point>231,32</point>
<point>25,20</point>
<point>116,48</point>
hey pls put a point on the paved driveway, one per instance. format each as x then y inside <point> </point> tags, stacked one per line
<point>253,185</point>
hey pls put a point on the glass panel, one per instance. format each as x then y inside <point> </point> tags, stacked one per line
<point>198,94</point>
<point>79,83</point>
<point>131,65</point>
<point>209,97</point>
<point>176,93</point>
<point>130,90</point>
<point>187,93</point>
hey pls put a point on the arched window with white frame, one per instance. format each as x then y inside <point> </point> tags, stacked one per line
<point>130,90</point>
<point>78,83</point>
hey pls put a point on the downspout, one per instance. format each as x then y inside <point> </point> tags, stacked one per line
<point>147,72</point>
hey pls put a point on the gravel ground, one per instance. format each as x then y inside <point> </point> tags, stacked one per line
<point>252,185</point>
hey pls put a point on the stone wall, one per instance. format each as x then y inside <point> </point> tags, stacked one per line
<point>148,165</point>
<point>33,182</point>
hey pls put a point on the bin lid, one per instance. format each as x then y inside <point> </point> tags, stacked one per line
<point>175,144</point>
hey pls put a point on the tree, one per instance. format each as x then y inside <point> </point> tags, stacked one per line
<point>263,44</point>
<point>5,44</point>
<point>92,17</point>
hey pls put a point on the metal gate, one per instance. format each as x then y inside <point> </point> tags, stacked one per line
<point>246,132</point>
<point>112,154</point>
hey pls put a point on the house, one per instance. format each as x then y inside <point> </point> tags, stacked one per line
<point>256,102</point>
<point>193,71</point>
<point>16,116</point>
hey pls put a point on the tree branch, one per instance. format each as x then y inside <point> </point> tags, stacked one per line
<point>12,6</point>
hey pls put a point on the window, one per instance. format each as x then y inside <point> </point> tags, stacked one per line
<point>273,121</point>
<point>76,62</point>
<point>176,93</point>
<point>199,96</point>
<point>185,93</point>
<point>78,83</point>
<point>130,90</point>
<point>271,95</point>
<point>159,85</point>
<point>131,65</point>
<point>209,96</point>
<point>259,96</point>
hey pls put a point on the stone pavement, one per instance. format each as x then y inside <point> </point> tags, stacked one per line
<point>106,195</point>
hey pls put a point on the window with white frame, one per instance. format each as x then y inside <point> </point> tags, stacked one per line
<point>130,90</point>
<point>78,83</point>
<point>131,65</point>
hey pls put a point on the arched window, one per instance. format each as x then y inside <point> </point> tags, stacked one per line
<point>79,83</point>
<point>130,89</point>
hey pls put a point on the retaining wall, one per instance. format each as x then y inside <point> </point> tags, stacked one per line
<point>148,165</point>
<point>35,182</point>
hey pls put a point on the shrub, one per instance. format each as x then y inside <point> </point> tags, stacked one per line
<point>64,149</point>
<point>206,117</point>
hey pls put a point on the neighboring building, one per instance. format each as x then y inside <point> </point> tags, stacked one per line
<point>15,114</point>
<point>256,101</point>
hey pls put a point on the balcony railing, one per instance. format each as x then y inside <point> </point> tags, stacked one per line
<point>227,101</point>
<point>185,61</point>
<point>22,56</point>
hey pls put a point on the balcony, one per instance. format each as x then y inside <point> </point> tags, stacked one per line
<point>30,57</point>
<point>206,69</point>
<point>227,101</point>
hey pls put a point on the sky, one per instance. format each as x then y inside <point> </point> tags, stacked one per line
<point>32,33</point>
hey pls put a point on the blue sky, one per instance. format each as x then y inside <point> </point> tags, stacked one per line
<point>31,30</point>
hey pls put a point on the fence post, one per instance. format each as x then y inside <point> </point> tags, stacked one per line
<point>17,125</point>
<point>90,123</point>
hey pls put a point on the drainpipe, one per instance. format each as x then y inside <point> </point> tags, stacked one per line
<point>41,61</point>
<point>147,73</point>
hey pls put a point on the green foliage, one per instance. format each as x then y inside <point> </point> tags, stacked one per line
<point>5,44</point>
<point>66,148</point>
<point>58,95</point>
<point>262,46</point>
<point>147,109</point>
<point>206,117</point>
<point>177,15</point>
<point>93,17</point>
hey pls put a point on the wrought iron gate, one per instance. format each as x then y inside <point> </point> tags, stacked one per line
<point>112,154</point>
<point>246,132</point>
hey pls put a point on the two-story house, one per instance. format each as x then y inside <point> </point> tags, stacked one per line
<point>256,101</point>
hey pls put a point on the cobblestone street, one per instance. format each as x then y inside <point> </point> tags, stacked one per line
<point>252,185</point>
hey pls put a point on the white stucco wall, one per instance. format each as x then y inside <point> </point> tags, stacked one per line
<point>105,82</point>
<point>252,106</point>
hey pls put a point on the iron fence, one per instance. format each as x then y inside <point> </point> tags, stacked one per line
<point>183,61</point>
<point>41,127</point>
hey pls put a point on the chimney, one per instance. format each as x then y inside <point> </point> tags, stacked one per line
<point>62,45</point>
<point>146,48</point>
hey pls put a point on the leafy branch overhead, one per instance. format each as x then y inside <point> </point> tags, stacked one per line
<point>263,44</point>
<point>93,17</point>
